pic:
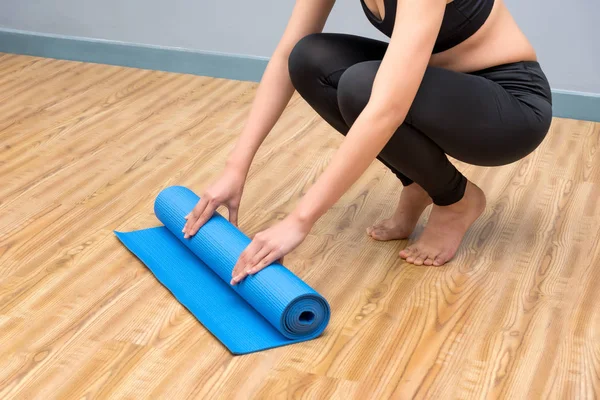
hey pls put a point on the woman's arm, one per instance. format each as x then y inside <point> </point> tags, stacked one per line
<point>275,89</point>
<point>396,83</point>
<point>274,92</point>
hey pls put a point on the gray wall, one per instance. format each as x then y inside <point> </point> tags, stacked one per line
<point>565,34</point>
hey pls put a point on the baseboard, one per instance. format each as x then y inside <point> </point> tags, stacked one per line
<point>576,105</point>
<point>218,65</point>
<point>566,104</point>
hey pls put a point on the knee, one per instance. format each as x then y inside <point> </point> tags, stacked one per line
<point>306,59</point>
<point>354,89</point>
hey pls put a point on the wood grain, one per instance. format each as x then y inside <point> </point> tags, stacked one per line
<point>84,150</point>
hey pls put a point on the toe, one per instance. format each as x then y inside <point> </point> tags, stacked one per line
<point>406,252</point>
<point>428,261</point>
<point>378,233</point>
<point>414,254</point>
<point>418,261</point>
<point>439,261</point>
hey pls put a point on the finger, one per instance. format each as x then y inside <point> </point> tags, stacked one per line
<point>205,216</point>
<point>244,259</point>
<point>258,257</point>
<point>195,213</point>
<point>242,262</point>
<point>255,246</point>
<point>198,211</point>
<point>239,271</point>
<point>238,278</point>
<point>252,255</point>
<point>237,267</point>
<point>265,262</point>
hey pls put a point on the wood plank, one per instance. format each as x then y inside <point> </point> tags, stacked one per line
<point>85,148</point>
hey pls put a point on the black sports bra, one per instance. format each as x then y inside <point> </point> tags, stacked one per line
<point>461,20</point>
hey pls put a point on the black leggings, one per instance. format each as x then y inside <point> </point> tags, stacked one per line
<point>490,117</point>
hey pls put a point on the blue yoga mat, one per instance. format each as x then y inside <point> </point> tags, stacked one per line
<point>269,309</point>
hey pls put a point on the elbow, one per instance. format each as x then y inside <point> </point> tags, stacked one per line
<point>388,115</point>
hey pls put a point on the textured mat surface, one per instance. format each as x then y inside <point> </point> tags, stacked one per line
<point>269,309</point>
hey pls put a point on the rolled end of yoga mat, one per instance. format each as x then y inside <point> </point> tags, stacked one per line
<point>305,316</point>
<point>271,308</point>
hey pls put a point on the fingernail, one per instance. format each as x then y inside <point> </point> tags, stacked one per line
<point>248,271</point>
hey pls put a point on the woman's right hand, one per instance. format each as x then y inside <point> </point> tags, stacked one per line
<point>225,190</point>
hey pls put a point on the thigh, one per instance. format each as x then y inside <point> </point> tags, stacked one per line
<point>328,55</point>
<point>474,119</point>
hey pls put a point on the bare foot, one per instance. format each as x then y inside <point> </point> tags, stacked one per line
<point>445,230</point>
<point>413,200</point>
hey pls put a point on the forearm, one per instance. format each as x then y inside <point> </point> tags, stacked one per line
<point>276,89</point>
<point>272,96</point>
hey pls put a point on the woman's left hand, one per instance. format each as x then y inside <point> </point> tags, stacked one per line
<point>270,245</point>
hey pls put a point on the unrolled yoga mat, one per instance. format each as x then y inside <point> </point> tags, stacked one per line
<point>269,309</point>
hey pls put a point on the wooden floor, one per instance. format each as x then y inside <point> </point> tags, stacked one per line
<point>84,150</point>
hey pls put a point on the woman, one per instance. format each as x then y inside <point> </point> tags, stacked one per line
<point>457,77</point>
